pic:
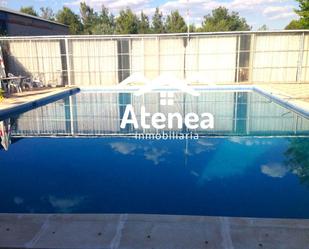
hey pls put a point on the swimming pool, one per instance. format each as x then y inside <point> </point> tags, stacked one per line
<point>71,156</point>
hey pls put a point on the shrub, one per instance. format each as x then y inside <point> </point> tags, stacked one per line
<point>1,95</point>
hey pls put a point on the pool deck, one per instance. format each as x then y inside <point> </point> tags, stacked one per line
<point>130,231</point>
<point>17,101</point>
<point>295,94</point>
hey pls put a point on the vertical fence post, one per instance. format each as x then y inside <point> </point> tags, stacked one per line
<point>238,56</point>
<point>71,115</point>
<point>130,56</point>
<point>68,61</point>
<point>251,61</point>
<point>116,75</point>
<point>159,53</point>
<point>31,57</point>
<point>197,54</point>
<point>300,57</point>
<point>143,55</point>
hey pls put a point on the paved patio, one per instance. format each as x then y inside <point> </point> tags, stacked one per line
<point>130,231</point>
<point>17,99</point>
<point>297,94</point>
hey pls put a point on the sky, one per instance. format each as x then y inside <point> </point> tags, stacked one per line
<point>275,14</point>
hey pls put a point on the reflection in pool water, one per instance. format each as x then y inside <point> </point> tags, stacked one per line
<point>59,158</point>
<point>298,158</point>
<point>258,177</point>
<point>100,113</point>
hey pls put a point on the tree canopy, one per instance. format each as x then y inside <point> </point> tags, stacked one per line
<point>89,18</point>
<point>68,17</point>
<point>221,20</point>
<point>157,25</point>
<point>303,13</point>
<point>263,27</point>
<point>175,23</point>
<point>127,22</point>
<point>90,21</point>
<point>105,23</point>
<point>28,10</point>
<point>143,25</point>
<point>47,13</point>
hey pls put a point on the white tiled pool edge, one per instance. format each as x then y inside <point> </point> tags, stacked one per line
<point>36,100</point>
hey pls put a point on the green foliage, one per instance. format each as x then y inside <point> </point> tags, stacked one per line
<point>127,22</point>
<point>29,10</point>
<point>68,17</point>
<point>157,22</point>
<point>263,28</point>
<point>175,23</point>
<point>47,13</point>
<point>294,24</point>
<point>3,32</point>
<point>143,24</point>
<point>89,18</point>
<point>303,13</point>
<point>298,158</point>
<point>1,95</point>
<point>192,28</point>
<point>105,24</point>
<point>222,20</point>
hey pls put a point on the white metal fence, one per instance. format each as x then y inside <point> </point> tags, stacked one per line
<point>202,58</point>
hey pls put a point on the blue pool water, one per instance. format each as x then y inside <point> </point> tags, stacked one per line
<point>61,160</point>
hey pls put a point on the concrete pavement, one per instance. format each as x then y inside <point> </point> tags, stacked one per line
<point>130,231</point>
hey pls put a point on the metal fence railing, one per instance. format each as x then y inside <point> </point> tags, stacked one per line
<point>201,58</point>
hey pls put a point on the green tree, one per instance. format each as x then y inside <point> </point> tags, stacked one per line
<point>127,22</point>
<point>222,20</point>
<point>263,27</point>
<point>175,23</point>
<point>157,25</point>
<point>192,28</point>
<point>1,95</point>
<point>294,24</point>
<point>29,10</point>
<point>143,24</point>
<point>303,13</point>
<point>89,18</point>
<point>47,13</point>
<point>68,17</point>
<point>105,24</point>
<point>297,156</point>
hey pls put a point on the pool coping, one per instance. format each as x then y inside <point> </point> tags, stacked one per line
<point>139,231</point>
<point>283,102</point>
<point>37,101</point>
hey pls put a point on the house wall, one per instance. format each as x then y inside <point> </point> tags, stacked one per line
<point>22,25</point>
